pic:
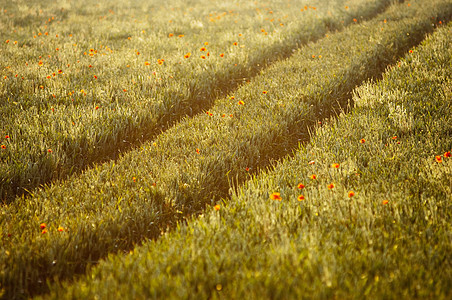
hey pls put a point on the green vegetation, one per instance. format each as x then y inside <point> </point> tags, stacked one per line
<point>81,82</point>
<point>61,230</point>
<point>389,239</point>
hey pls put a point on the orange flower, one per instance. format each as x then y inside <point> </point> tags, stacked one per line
<point>43,226</point>
<point>221,54</point>
<point>300,198</point>
<point>438,159</point>
<point>217,207</point>
<point>197,150</point>
<point>187,55</point>
<point>313,177</point>
<point>447,154</point>
<point>49,150</point>
<point>95,77</point>
<point>60,229</point>
<point>354,20</point>
<point>147,63</point>
<point>203,49</point>
<point>60,71</point>
<point>330,186</point>
<point>44,231</point>
<point>180,35</point>
<point>134,179</point>
<point>241,102</point>
<point>275,196</point>
<point>235,43</point>
<point>411,51</point>
<point>232,98</point>
<point>351,194</point>
<point>7,137</point>
<point>335,165</point>
<point>171,35</point>
<point>362,141</point>
<point>40,63</point>
<point>300,186</point>
<point>203,56</point>
<point>264,92</point>
<point>384,202</point>
<point>394,137</point>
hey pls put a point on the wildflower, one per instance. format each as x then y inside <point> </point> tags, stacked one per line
<point>384,202</point>
<point>351,194</point>
<point>232,98</point>
<point>362,141</point>
<point>3,146</point>
<point>241,102</point>
<point>60,71</point>
<point>300,186</point>
<point>447,154</point>
<point>203,49</point>
<point>49,150</point>
<point>247,169</point>
<point>187,55</point>
<point>203,56</point>
<point>134,179</point>
<point>40,63</point>
<point>264,92</point>
<point>197,150</point>
<point>335,165</point>
<point>44,231</point>
<point>300,198</point>
<point>313,177</point>
<point>330,186</point>
<point>275,196</point>
<point>43,226</point>
<point>221,54</point>
<point>7,137</point>
<point>147,63</point>
<point>411,51</point>
<point>60,228</point>
<point>311,162</point>
<point>438,159</point>
<point>171,35</point>
<point>95,77</point>
<point>217,207</point>
<point>354,20</point>
<point>180,35</point>
<point>235,43</point>
<point>394,137</point>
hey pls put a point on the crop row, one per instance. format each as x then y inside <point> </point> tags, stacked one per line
<point>88,82</point>
<point>362,211</point>
<point>116,205</point>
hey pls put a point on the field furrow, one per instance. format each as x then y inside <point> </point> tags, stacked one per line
<point>362,211</point>
<point>81,83</point>
<point>116,205</point>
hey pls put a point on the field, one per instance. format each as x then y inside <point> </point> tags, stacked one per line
<point>226,149</point>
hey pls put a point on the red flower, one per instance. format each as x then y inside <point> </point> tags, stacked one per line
<point>351,194</point>
<point>447,154</point>
<point>300,186</point>
<point>275,196</point>
<point>330,186</point>
<point>438,159</point>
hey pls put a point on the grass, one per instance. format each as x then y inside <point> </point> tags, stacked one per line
<point>115,206</point>
<point>390,239</point>
<point>82,83</point>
